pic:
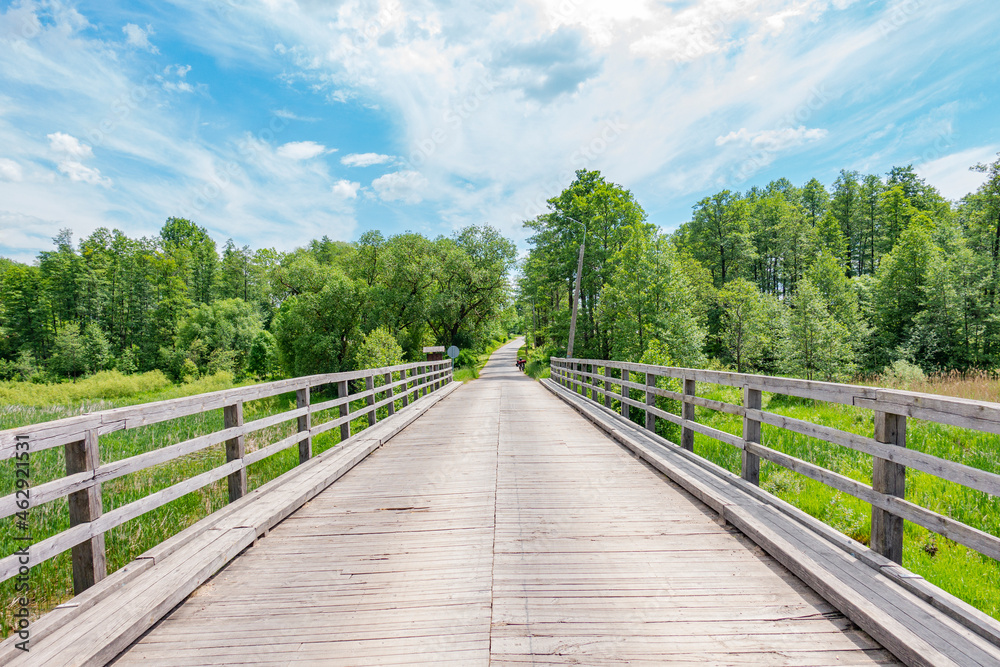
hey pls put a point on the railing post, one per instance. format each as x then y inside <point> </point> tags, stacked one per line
<point>625,406</point>
<point>750,469</point>
<point>389,393</point>
<point>607,386</point>
<point>370,400</point>
<point>650,400</point>
<point>235,450</point>
<point>888,478</point>
<point>305,423</point>
<point>424,381</point>
<point>591,381</point>
<point>89,560</point>
<point>687,412</point>
<point>405,374</point>
<point>343,392</point>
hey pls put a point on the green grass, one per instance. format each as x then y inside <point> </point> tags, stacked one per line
<point>51,580</point>
<point>470,372</point>
<point>537,365</point>
<point>961,571</point>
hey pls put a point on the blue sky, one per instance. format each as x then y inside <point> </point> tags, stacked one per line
<point>273,122</point>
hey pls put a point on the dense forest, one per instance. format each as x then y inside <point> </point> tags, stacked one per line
<point>808,281</point>
<point>175,303</point>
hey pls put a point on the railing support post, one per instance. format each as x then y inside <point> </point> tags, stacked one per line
<point>750,469</point>
<point>370,400</point>
<point>89,560</point>
<point>687,413</point>
<point>607,386</point>
<point>888,478</point>
<point>650,401</point>
<point>592,382</point>
<point>625,378</point>
<point>235,450</point>
<point>304,424</point>
<point>389,393</point>
<point>404,375</point>
<point>343,392</point>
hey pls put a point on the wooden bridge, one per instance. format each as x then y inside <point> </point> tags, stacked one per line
<point>504,522</point>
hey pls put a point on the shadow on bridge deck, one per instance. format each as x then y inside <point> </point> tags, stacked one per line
<point>503,528</point>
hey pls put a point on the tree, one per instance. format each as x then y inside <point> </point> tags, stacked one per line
<point>814,199</point>
<point>262,361</point>
<point>845,208</point>
<point>987,218</point>
<point>472,286</point>
<point>590,208</point>
<point>194,251</point>
<point>719,236</point>
<point>746,325</point>
<point>814,343</point>
<point>219,336</point>
<point>648,301</point>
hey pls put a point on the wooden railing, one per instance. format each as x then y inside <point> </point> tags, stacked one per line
<point>85,472</point>
<point>596,380</point>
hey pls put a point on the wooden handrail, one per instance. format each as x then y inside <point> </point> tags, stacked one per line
<point>85,473</point>
<point>891,459</point>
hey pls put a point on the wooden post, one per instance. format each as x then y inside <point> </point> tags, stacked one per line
<point>625,406</point>
<point>389,393</point>
<point>423,382</point>
<point>370,400</point>
<point>687,412</point>
<point>650,400</point>
<point>235,449</point>
<point>89,560</point>
<point>888,478</point>
<point>607,386</point>
<point>305,423</point>
<point>345,409</point>
<point>403,374</point>
<point>750,470</point>
<point>591,382</point>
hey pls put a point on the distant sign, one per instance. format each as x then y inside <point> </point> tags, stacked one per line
<point>453,352</point>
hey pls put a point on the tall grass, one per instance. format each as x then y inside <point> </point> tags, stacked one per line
<point>51,580</point>
<point>955,568</point>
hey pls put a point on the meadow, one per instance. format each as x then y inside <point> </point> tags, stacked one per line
<point>953,567</point>
<point>23,403</point>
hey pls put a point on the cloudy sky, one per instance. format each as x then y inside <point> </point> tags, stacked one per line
<point>273,122</point>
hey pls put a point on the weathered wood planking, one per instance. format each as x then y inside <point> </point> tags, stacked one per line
<point>920,623</point>
<point>502,529</point>
<point>85,473</point>
<point>891,407</point>
<point>93,627</point>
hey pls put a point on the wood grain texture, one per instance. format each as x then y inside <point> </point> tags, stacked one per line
<point>501,528</point>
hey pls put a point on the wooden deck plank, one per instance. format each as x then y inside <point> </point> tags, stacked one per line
<point>502,528</point>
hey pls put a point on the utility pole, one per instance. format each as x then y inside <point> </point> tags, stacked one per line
<point>576,289</point>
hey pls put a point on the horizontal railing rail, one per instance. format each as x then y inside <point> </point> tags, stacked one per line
<point>594,378</point>
<point>85,472</point>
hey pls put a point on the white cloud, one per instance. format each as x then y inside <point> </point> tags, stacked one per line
<point>10,170</point>
<point>77,171</point>
<point>72,153</point>
<point>69,146</point>
<point>302,150</point>
<point>346,189</point>
<point>139,38</point>
<point>290,115</point>
<point>951,174</point>
<point>405,186</point>
<point>772,140</point>
<point>364,159</point>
